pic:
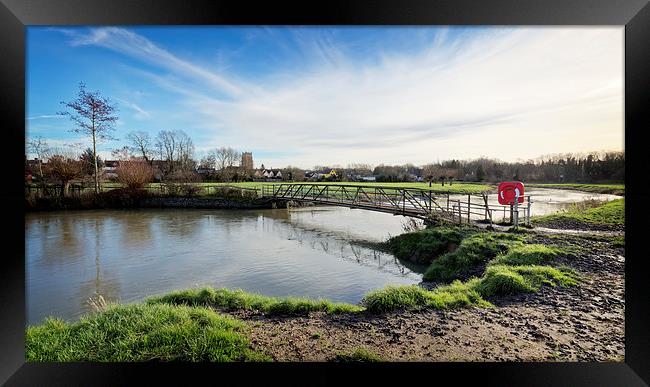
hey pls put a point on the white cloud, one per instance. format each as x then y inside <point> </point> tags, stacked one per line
<point>508,93</point>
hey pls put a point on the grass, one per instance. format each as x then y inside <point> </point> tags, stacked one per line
<point>240,300</point>
<point>359,354</point>
<point>590,212</point>
<point>454,295</point>
<point>142,333</point>
<point>613,189</point>
<point>498,280</point>
<point>533,254</point>
<point>507,280</point>
<point>425,245</point>
<point>473,251</point>
<point>456,187</point>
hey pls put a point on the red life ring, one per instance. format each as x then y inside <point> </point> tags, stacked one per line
<point>510,191</point>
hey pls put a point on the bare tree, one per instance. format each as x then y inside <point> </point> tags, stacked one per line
<point>209,161</point>
<point>141,144</point>
<point>93,116</point>
<point>124,153</point>
<point>42,150</point>
<point>176,149</point>
<point>64,168</point>
<point>225,159</point>
<point>166,146</point>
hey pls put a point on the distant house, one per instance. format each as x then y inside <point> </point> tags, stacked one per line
<point>267,174</point>
<point>205,171</point>
<point>110,168</point>
<point>368,178</point>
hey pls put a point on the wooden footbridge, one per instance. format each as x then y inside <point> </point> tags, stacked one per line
<point>428,205</point>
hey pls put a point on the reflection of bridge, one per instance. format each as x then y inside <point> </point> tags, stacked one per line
<point>424,204</point>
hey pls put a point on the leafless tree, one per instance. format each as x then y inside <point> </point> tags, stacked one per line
<point>93,115</point>
<point>177,149</point>
<point>142,145</point>
<point>124,153</point>
<point>42,150</point>
<point>209,161</point>
<point>226,157</point>
<point>64,168</point>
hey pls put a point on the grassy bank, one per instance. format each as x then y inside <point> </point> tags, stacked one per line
<point>187,325</point>
<point>612,189</point>
<point>589,212</point>
<point>154,332</point>
<point>229,300</point>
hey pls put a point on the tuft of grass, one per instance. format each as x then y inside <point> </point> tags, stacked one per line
<point>142,333</point>
<point>591,212</point>
<point>618,241</point>
<point>454,295</point>
<point>533,254</point>
<point>425,245</point>
<point>474,250</point>
<point>505,280</point>
<point>359,354</point>
<point>238,299</point>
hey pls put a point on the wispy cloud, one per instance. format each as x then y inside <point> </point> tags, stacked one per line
<point>507,93</point>
<point>137,46</point>
<point>140,113</point>
<point>45,116</point>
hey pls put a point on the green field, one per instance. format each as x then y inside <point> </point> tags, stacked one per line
<point>613,189</point>
<point>612,212</point>
<point>457,187</point>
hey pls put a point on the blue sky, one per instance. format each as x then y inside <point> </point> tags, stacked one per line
<point>308,96</point>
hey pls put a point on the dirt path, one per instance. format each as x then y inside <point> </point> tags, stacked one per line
<point>584,323</point>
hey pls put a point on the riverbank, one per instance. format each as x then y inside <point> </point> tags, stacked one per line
<point>612,189</point>
<point>125,199</point>
<point>514,311</point>
<point>589,216</point>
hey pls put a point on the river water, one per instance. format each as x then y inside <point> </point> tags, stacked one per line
<point>129,255</point>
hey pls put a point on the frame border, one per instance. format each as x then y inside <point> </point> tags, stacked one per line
<point>15,15</point>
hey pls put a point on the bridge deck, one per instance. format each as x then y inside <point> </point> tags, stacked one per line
<point>413,202</point>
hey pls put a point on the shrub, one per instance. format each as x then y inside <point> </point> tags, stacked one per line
<point>135,174</point>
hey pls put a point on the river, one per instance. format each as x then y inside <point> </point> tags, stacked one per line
<point>129,255</point>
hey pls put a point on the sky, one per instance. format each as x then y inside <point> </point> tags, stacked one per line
<point>307,96</point>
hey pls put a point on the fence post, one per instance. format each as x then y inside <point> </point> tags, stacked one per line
<point>468,208</point>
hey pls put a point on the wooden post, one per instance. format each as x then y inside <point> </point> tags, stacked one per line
<point>460,219</point>
<point>468,207</point>
<point>511,214</point>
<point>528,213</point>
<point>516,220</point>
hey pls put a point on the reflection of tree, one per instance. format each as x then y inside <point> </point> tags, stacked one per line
<point>69,238</point>
<point>109,288</point>
<point>136,229</point>
<point>182,223</point>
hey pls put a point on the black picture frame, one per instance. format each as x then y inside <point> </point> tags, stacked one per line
<point>15,15</point>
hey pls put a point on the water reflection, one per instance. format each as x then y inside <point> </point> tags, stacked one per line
<point>130,255</point>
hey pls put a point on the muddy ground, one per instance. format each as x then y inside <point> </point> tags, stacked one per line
<point>583,323</point>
